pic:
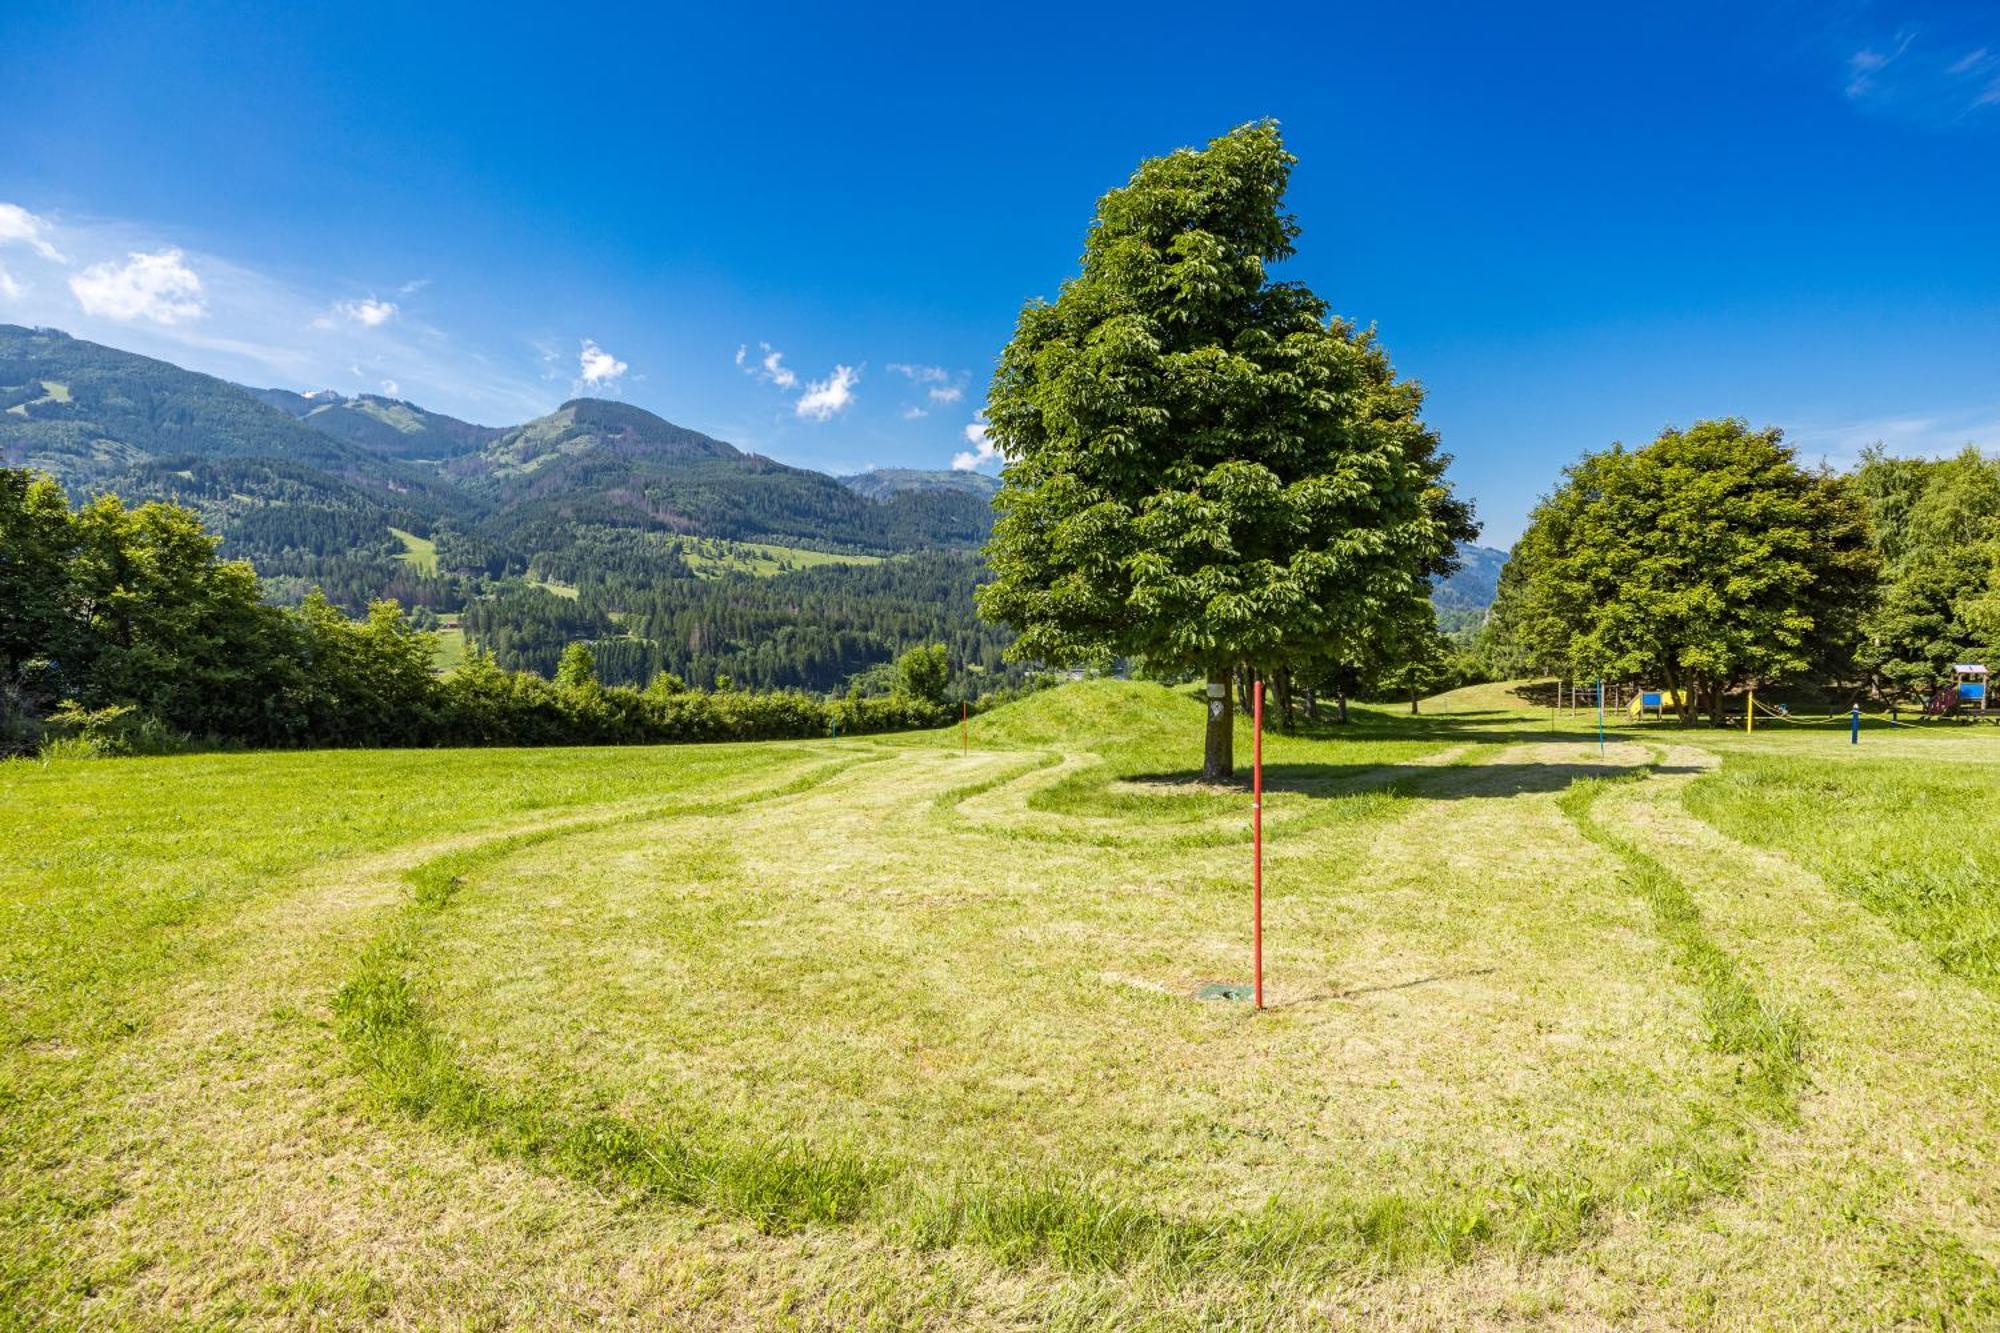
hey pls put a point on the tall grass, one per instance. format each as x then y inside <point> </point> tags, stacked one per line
<point>1911,840</point>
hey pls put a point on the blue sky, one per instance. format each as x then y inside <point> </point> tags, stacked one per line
<point>1574,225</point>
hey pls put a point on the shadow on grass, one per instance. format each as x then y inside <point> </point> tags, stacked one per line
<point>1436,782</point>
<point>1384,988</point>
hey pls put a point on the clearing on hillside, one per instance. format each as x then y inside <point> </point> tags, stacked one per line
<point>1697,1030</point>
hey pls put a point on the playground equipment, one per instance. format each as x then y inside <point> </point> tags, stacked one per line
<point>1970,678</point>
<point>1660,702</point>
<point>1965,696</point>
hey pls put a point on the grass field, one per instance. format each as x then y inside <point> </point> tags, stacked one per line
<point>711,557</point>
<point>450,643</point>
<point>1698,1031</point>
<point>419,553</point>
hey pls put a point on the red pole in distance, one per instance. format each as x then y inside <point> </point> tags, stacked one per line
<point>1257,841</point>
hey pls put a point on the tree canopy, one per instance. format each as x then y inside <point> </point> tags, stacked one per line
<point>1937,522</point>
<point>1204,468</point>
<point>1706,560</point>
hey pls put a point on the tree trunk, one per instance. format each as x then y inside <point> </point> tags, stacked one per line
<point>1281,680</point>
<point>1683,703</point>
<point>1312,706</point>
<point>1218,762</point>
<point>1413,701</point>
<point>1341,699</point>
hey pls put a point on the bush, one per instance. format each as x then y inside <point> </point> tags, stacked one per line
<point>75,732</point>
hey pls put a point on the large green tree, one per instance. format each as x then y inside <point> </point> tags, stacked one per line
<point>1707,560</point>
<point>1938,525</point>
<point>1203,467</point>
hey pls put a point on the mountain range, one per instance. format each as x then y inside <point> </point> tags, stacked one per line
<point>296,480</point>
<point>367,496</point>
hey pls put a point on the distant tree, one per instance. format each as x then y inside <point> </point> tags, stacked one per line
<point>173,630</point>
<point>1938,525</point>
<point>924,672</point>
<point>1706,560</point>
<point>577,670</point>
<point>1204,469</point>
<point>37,543</point>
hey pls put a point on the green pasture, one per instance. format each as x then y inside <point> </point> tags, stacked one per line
<point>1695,1029</point>
<point>712,557</point>
<point>419,553</point>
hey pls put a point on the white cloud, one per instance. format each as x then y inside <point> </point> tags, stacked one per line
<point>823,398</point>
<point>913,413</point>
<point>156,286</point>
<point>20,227</point>
<point>413,286</point>
<point>393,389</point>
<point>370,313</point>
<point>769,367</point>
<point>598,366</point>
<point>1968,62</point>
<point>250,325</point>
<point>983,449</point>
<point>946,386</point>
<point>10,287</point>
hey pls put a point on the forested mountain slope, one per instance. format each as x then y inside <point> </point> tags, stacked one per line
<point>284,476</point>
<point>389,427</point>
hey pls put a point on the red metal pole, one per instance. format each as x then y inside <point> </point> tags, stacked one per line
<point>1257,840</point>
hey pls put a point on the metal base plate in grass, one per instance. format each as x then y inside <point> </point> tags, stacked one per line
<point>1223,990</point>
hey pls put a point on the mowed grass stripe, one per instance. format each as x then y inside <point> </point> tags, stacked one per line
<point>1740,1021</point>
<point>689,1154</point>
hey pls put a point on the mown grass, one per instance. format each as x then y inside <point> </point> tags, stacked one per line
<point>1909,837</point>
<point>1740,1020</point>
<point>686,1152</point>
<point>121,879</point>
<point>837,1034</point>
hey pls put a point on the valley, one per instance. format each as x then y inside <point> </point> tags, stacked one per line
<point>665,548</point>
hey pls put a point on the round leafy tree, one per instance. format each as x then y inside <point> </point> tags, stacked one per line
<point>1203,467</point>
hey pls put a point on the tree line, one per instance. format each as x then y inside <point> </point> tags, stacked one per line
<point>122,630</point>
<point>1712,560</point>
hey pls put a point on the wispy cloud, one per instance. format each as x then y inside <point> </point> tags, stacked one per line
<point>157,286</point>
<point>769,365</point>
<point>825,398</point>
<point>941,385</point>
<point>20,227</point>
<point>10,287</point>
<point>1930,434</point>
<point>1931,78</point>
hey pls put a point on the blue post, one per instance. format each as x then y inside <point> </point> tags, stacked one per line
<point>1854,729</point>
<point>1600,717</point>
